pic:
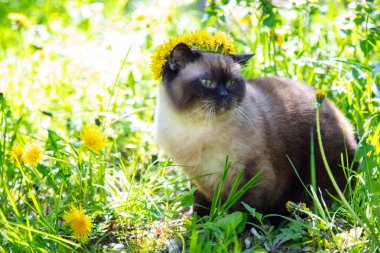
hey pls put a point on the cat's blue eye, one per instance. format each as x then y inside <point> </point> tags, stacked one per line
<point>230,83</point>
<point>206,82</point>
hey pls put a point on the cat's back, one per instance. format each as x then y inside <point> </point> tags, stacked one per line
<point>290,109</point>
<point>287,113</point>
<point>291,102</point>
<point>286,108</point>
<point>282,91</point>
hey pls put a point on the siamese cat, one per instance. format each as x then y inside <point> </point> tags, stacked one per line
<point>206,111</point>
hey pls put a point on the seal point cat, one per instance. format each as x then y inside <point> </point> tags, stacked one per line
<point>206,111</point>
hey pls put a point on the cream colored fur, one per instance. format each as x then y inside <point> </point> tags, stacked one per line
<point>201,145</point>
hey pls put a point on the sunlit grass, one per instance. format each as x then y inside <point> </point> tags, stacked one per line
<point>76,113</point>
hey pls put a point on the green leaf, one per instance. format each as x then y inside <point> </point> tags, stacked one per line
<point>234,221</point>
<point>187,200</point>
<point>54,141</point>
<point>292,232</point>
<point>43,169</point>
<point>132,82</point>
<point>362,150</point>
<point>252,211</point>
<point>367,165</point>
<point>374,187</point>
<point>367,45</point>
<point>270,20</point>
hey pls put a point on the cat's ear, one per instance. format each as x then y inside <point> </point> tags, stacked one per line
<point>180,56</point>
<point>241,58</point>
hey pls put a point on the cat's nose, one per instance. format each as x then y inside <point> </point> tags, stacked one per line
<point>222,91</point>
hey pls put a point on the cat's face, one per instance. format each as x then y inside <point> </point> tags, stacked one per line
<point>203,82</point>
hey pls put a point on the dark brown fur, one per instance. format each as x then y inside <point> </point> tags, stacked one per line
<point>292,135</point>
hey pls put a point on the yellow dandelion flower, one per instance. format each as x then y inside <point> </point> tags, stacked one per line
<point>16,153</point>
<point>218,42</point>
<point>20,19</point>
<point>70,216</point>
<point>80,223</point>
<point>226,43</point>
<point>320,96</point>
<point>93,138</point>
<point>32,155</point>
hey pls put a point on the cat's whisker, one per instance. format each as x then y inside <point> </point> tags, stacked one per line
<point>208,119</point>
<point>251,122</point>
<point>245,114</point>
<point>241,116</point>
<point>210,113</point>
<point>205,120</point>
<point>213,109</point>
<point>241,112</point>
<point>198,109</point>
<point>211,116</point>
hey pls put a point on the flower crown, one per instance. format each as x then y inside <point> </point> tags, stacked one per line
<point>218,42</point>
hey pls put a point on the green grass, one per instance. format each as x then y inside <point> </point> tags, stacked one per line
<point>81,63</point>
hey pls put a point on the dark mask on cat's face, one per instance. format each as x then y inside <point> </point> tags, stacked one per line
<point>203,81</point>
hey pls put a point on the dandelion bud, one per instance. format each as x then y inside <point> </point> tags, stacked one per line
<point>320,96</point>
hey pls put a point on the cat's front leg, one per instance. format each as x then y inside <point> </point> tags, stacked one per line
<point>201,205</point>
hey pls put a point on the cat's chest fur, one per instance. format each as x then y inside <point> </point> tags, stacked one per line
<point>197,144</point>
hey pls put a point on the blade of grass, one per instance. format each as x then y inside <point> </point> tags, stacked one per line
<point>117,78</point>
<point>58,239</point>
<point>366,224</point>
<point>11,200</point>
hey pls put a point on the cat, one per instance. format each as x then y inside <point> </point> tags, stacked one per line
<point>206,111</point>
